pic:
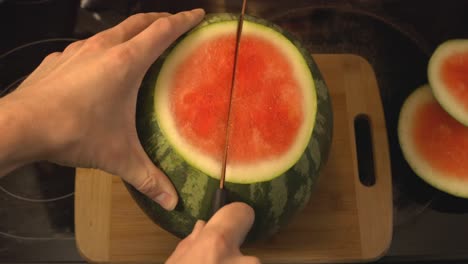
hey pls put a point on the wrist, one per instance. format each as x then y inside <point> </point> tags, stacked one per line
<point>13,151</point>
<point>24,135</point>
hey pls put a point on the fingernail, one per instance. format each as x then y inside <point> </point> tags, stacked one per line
<point>165,201</point>
<point>198,10</point>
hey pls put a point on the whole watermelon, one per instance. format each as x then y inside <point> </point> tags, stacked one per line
<point>281,126</point>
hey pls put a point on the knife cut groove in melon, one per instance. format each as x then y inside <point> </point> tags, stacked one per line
<point>273,103</point>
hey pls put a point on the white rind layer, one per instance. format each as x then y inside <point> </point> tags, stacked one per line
<point>240,173</point>
<point>439,179</point>
<point>446,99</point>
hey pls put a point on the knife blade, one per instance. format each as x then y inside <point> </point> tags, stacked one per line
<point>220,196</point>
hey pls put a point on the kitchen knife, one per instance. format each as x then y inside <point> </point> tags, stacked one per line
<point>220,196</point>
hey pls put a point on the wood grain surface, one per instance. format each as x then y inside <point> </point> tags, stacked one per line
<point>345,221</point>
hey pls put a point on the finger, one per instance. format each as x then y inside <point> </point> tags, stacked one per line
<point>72,49</point>
<point>199,225</point>
<point>50,59</point>
<point>232,222</point>
<point>140,172</point>
<point>242,260</point>
<point>131,27</point>
<point>248,260</point>
<point>120,33</point>
<point>188,242</point>
<point>154,184</point>
<point>157,37</point>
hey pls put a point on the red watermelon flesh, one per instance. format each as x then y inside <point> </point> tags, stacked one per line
<point>454,72</point>
<point>441,140</point>
<point>448,77</point>
<point>267,110</point>
<point>434,143</point>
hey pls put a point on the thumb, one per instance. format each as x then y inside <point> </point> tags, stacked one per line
<point>142,174</point>
<point>233,222</point>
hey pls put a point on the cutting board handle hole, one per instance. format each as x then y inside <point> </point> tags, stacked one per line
<point>364,149</point>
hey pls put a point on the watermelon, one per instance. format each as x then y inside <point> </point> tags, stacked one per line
<point>448,77</point>
<point>280,132</point>
<point>434,144</point>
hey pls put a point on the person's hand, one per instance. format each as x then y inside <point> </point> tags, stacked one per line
<point>218,240</point>
<point>81,102</point>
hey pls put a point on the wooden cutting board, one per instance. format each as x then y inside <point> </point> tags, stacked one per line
<point>345,221</point>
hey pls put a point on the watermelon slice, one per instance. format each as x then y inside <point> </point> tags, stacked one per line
<point>448,77</point>
<point>281,123</point>
<point>434,144</point>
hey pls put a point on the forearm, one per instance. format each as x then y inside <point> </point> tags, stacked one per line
<point>21,141</point>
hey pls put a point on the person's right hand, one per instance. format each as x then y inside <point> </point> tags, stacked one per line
<point>217,241</point>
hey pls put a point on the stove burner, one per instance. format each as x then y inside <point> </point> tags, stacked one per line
<point>35,200</point>
<point>10,88</point>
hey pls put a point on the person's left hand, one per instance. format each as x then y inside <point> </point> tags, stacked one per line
<point>82,101</point>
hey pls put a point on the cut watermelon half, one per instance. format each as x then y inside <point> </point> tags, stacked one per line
<point>448,77</point>
<point>434,144</point>
<point>274,103</point>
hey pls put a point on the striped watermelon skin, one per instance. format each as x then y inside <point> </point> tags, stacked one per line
<point>275,202</point>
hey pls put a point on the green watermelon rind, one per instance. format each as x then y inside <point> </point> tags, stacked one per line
<point>434,177</point>
<point>446,100</point>
<point>275,202</point>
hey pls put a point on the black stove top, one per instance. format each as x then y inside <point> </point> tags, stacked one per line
<point>395,36</point>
